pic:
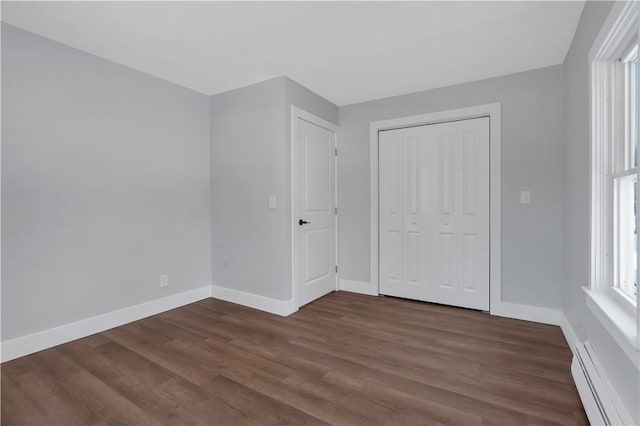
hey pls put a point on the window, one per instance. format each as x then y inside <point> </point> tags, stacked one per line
<point>624,177</point>
<point>613,290</point>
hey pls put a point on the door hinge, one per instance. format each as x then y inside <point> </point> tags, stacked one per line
<point>336,269</point>
<point>336,151</point>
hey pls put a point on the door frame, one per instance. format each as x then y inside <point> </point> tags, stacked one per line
<point>488,110</point>
<point>297,113</point>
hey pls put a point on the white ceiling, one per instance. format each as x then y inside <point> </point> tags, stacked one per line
<point>347,52</point>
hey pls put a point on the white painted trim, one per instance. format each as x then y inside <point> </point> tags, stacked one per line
<point>619,25</point>
<point>620,318</point>
<point>590,388</point>
<point>278,307</point>
<point>361,287</point>
<point>307,116</point>
<point>311,118</point>
<point>569,334</point>
<point>529,313</point>
<point>45,339</point>
<point>619,323</point>
<point>586,394</point>
<point>618,31</point>
<point>494,114</point>
<point>598,395</point>
<point>580,380</point>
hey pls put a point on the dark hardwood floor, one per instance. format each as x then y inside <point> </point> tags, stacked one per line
<point>345,359</point>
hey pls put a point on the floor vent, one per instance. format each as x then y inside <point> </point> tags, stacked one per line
<point>593,388</point>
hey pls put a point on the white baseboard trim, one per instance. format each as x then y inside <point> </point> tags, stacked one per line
<point>599,397</point>
<point>361,287</point>
<point>569,335</point>
<point>45,339</point>
<point>25,345</point>
<point>529,313</point>
<point>599,384</point>
<point>283,308</point>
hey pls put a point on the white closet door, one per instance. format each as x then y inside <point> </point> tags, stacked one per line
<point>459,264</point>
<point>404,240</point>
<point>391,222</point>
<point>434,213</point>
<point>416,235</point>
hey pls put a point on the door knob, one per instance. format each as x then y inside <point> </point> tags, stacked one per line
<point>302,222</point>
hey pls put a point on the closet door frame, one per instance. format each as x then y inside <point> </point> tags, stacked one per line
<point>489,110</point>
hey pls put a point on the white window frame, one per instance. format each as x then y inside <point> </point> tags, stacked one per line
<point>616,312</point>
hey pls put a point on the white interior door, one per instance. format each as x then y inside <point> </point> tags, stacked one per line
<point>404,236</point>
<point>434,213</point>
<point>459,264</point>
<point>314,211</point>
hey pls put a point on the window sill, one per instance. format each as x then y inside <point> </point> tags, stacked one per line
<point>619,321</point>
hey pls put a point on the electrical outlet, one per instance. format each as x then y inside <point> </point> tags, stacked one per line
<point>164,280</point>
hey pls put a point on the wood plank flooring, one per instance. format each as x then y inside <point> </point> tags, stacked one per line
<point>345,359</point>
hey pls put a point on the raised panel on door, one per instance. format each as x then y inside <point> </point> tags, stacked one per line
<point>460,260</point>
<point>442,139</point>
<point>415,218</point>
<point>391,212</point>
<point>314,189</point>
<point>474,221</point>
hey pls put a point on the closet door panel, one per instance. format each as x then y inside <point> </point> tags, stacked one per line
<point>391,212</point>
<point>415,224</point>
<point>460,261</point>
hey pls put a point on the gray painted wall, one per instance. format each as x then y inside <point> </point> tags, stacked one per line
<point>108,173</point>
<point>248,165</point>
<point>531,158</point>
<point>105,177</point>
<point>250,158</point>
<point>298,95</point>
<point>619,368</point>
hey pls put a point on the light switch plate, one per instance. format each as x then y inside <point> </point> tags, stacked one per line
<point>525,197</point>
<point>272,201</point>
<point>164,280</point>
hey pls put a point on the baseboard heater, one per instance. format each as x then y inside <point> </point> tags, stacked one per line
<point>594,388</point>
